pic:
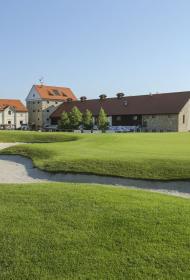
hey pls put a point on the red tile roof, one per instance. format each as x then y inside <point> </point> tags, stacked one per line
<point>165,103</point>
<point>15,103</point>
<point>54,93</point>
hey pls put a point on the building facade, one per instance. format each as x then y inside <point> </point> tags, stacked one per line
<point>153,112</point>
<point>42,101</point>
<point>13,114</point>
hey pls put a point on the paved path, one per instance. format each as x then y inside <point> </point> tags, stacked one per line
<point>18,169</point>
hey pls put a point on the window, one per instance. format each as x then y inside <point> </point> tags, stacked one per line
<point>145,123</point>
<point>33,102</point>
<point>38,102</point>
<point>47,119</point>
<point>21,122</point>
<point>183,118</point>
<point>33,94</point>
<point>47,111</point>
<point>135,118</point>
<point>56,102</point>
<point>34,111</point>
<point>118,118</point>
<point>9,122</point>
<point>21,115</point>
<point>9,112</point>
<point>47,101</point>
<point>153,116</point>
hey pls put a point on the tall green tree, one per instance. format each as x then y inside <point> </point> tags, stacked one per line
<point>87,120</point>
<point>64,122</point>
<point>75,117</point>
<point>102,120</point>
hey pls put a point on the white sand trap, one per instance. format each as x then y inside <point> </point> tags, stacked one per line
<point>18,169</point>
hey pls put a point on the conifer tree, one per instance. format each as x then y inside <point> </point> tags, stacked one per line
<point>102,120</point>
<point>64,122</point>
<point>75,117</point>
<point>87,120</point>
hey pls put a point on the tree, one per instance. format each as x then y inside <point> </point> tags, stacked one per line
<point>75,117</point>
<point>64,122</point>
<point>87,120</point>
<point>102,120</point>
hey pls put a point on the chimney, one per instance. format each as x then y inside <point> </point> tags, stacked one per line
<point>83,98</point>
<point>102,97</point>
<point>120,95</point>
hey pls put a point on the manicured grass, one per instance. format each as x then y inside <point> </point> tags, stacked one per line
<point>162,156</point>
<point>69,231</point>
<point>34,137</point>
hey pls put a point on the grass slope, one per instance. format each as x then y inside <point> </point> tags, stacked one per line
<point>8,136</point>
<point>162,156</point>
<point>69,231</point>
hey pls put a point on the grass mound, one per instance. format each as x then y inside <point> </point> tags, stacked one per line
<point>70,231</point>
<point>163,156</point>
<point>35,137</point>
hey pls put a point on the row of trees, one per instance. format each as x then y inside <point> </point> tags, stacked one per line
<point>75,119</point>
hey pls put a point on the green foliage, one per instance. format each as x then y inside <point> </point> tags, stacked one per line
<point>75,117</point>
<point>102,120</point>
<point>64,122</point>
<point>76,231</point>
<point>87,120</point>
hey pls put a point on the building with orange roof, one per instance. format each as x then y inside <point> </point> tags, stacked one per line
<point>42,101</point>
<point>13,114</point>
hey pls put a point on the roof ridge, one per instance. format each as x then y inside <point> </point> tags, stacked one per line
<point>37,85</point>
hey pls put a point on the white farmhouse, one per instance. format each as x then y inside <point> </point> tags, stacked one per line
<point>13,114</point>
<point>42,101</point>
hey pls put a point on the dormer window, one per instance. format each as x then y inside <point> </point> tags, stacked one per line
<point>9,112</point>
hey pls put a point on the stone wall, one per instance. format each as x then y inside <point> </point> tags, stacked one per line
<point>160,122</point>
<point>40,111</point>
<point>48,107</point>
<point>184,118</point>
<point>35,113</point>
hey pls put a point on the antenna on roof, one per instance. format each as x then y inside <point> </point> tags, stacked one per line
<point>41,80</point>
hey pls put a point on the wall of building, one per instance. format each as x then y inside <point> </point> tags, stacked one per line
<point>34,113</point>
<point>1,117</point>
<point>21,117</point>
<point>40,111</point>
<point>9,117</point>
<point>184,118</point>
<point>48,107</point>
<point>160,122</point>
<point>15,118</point>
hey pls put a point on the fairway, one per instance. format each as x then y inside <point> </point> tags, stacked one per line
<point>163,156</point>
<point>73,231</point>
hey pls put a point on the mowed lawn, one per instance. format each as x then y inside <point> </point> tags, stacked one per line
<point>162,156</point>
<point>69,231</point>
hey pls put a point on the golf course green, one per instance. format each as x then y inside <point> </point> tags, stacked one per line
<point>163,156</point>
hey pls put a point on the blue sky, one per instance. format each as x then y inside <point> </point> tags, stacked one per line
<point>94,47</point>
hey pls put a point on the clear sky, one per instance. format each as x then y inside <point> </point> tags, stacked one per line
<point>95,46</point>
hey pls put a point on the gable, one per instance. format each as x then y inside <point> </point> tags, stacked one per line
<point>16,104</point>
<point>33,94</point>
